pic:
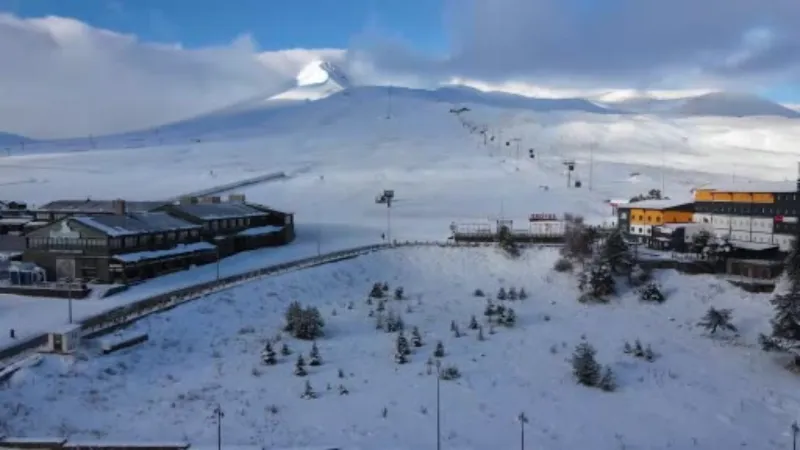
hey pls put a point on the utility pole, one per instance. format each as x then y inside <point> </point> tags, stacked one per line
<point>218,261</point>
<point>591,166</point>
<point>389,220</point>
<point>523,419</point>
<point>795,430</point>
<point>69,299</point>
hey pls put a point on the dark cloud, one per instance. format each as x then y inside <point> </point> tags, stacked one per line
<point>626,42</point>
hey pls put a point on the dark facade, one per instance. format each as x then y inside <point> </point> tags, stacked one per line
<point>117,248</point>
<point>235,225</point>
<point>60,209</point>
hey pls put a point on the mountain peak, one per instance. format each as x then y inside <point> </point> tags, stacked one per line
<point>320,72</point>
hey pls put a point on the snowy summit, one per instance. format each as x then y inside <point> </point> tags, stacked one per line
<point>317,80</point>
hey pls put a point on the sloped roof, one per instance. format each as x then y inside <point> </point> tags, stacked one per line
<point>215,211</point>
<point>777,187</point>
<point>99,206</point>
<point>656,204</point>
<point>135,223</point>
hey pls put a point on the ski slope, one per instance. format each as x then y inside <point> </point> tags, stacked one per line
<point>700,392</point>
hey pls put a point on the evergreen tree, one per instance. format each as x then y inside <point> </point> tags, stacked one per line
<point>512,293</point>
<point>300,367</point>
<point>385,287</point>
<point>439,351</point>
<point>607,381</point>
<point>507,242</point>
<point>509,319</point>
<point>501,294</point>
<point>473,323</point>
<point>478,293</point>
<point>792,264</point>
<point>343,390</point>
<point>398,293</point>
<point>402,349</point>
<point>376,291</point>
<point>627,348</point>
<point>268,355</point>
<point>416,337</point>
<point>616,254</point>
<point>638,349</point>
<point>651,293</point>
<point>598,282</point>
<point>314,358</point>
<point>304,323</point>
<point>649,354</point>
<point>285,351</point>
<point>717,319</point>
<point>584,366</point>
<point>522,294</point>
<point>490,310</point>
<point>308,392</point>
<point>293,315</point>
<point>786,322</point>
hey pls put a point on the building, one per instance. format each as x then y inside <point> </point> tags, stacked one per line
<point>638,219</point>
<point>676,237</point>
<point>235,225</point>
<point>764,214</point>
<point>124,247</point>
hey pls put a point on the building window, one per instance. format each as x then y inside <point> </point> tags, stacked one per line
<point>183,235</point>
<point>130,242</point>
<point>171,236</point>
<point>159,239</point>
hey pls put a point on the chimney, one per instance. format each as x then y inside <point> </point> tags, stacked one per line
<point>236,198</point>
<point>119,207</point>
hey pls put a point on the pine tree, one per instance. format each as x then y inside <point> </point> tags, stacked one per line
<point>439,351</point>
<point>293,316</point>
<point>398,293</point>
<point>649,354</point>
<point>490,310</point>
<point>509,318</point>
<point>616,254</point>
<point>522,294</point>
<point>512,293</point>
<point>473,323</point>
<point>285,351</point>
<point>402,350</point>
<point>300,367</point>
<point>308,392</point>
<point>786,322</point>
<point>416,337</point>
<point>268,355</point>
<point>627,348</point>
<point>501,294</point>
<point>584,366</point>
<point>314,358</point>
<point>651,293</point>
<point>717,319</point>
<point>599,282</point>
<point>607,381</point>
<point>385,287</point>
<point>376,291</point>
<point>343,390</point>
<point>478,293</point>
<point>638,349</point>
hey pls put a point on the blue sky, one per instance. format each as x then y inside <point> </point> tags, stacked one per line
<point>275,24</point>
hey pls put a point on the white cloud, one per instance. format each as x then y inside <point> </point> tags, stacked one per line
<point>61,77</point>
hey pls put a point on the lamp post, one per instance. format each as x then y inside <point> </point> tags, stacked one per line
<point>523,419</point>
<point>69,299</point>
<point>795,430</point>
<point>438,406</point>
<point>218,416</point>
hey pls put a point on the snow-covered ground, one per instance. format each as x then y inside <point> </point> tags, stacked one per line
<point>701,392</point>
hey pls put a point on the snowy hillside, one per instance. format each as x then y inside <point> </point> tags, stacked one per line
<point>720,104</point>
<point>700,392</point>
<point>8,139</point>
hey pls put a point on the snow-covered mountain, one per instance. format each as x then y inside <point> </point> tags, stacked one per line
<point>12,139</point>
<point>721,104</point>
<point>317,80</point>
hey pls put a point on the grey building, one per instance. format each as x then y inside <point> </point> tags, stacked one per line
<point>60,209</point>
<point>235,225</point>
<point>117,248</point>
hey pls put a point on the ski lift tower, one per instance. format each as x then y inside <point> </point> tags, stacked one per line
<point>570,165</point>
<point>386,198</point>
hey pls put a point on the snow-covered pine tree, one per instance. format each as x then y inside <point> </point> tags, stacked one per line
<point>376,291</point>
<point>343,390</point>
<point>308,391</point>
<point>509,318</point>
<point>268,355</point>
<point>638,349</point>
<point>416,337</point>
<point>715,319</point>
<point>439,351</point>
<point>385,287</point>
<point>512,293</point>
<point>600,282</point>
<point>473,323</point>
<point>292,316</point>
<point>501,294</point>
<point>607,381</point>
<point>314,358</point>
<point>651,292</point>
<point>402,350</point>
<point>522,294</point>
<point>584,366</point>
<point>490,310</point>
<point>285,350</point>
<point>300,366</point>
<point>398,293</point>
<point>616,254</point>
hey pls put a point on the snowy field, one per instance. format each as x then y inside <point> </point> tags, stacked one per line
<point>700,392</point>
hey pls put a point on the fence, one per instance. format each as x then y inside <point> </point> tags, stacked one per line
<point>125,315</point>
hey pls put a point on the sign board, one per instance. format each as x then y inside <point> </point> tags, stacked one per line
<point>543,217</point>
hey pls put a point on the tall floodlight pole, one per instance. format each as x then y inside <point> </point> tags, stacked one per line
<point>219,415</point>
<point>795,430</point>
<point>438,405</point>
<point>663,169</point>
<point>523,419</point>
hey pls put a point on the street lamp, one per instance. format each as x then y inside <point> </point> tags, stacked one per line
<point>795,430</point>
<point>386,197</point>
<point>219,415</point>
<point>438,405</point>
<point>523,419</point>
